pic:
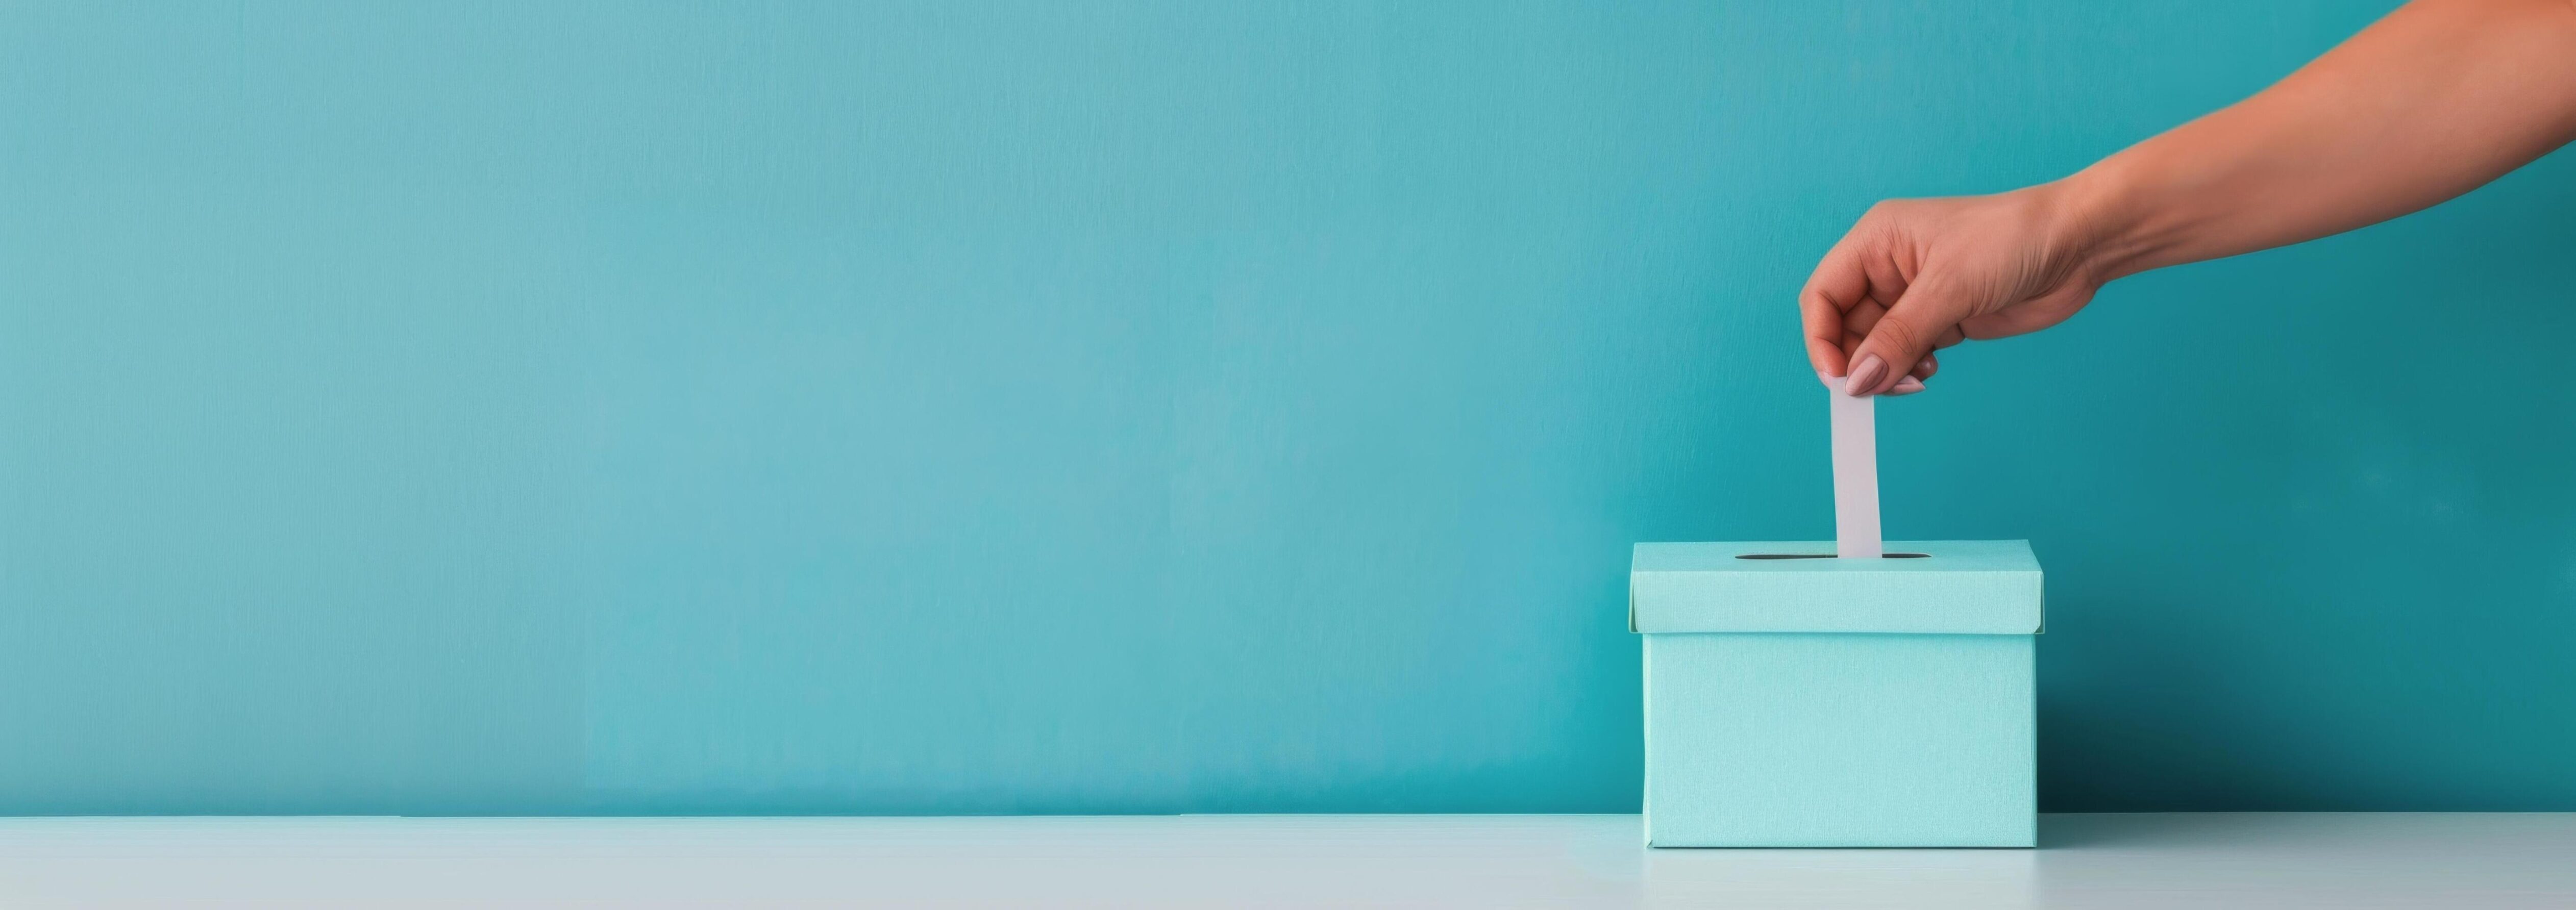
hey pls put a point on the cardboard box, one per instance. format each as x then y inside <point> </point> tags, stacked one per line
<point>1824,702</point>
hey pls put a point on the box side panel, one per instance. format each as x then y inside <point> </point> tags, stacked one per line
<point>1818,740</point>
<point>1647,809</point>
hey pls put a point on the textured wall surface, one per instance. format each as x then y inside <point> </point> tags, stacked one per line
<point>1102,407</point>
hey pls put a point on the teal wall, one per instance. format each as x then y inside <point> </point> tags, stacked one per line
<point>1109,407</point>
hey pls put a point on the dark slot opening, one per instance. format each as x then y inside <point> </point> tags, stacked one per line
<point>1827,556</point>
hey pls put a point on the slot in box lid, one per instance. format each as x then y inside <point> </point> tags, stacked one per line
<point>1959,587</point>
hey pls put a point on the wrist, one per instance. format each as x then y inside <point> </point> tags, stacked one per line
<point>2101,220</point>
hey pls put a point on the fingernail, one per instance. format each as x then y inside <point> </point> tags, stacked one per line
<point>1865,375</point>
<point>1826,378</point>
<point>1906,386</point>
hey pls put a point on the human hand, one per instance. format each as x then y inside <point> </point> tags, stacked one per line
<point>1919,274</point>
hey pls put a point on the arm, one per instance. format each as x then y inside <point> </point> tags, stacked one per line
<point>2431,102</point>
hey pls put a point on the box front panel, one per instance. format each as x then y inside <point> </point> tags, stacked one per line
<point>1830,740</point>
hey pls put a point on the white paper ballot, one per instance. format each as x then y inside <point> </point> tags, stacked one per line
<point>1855,473</point>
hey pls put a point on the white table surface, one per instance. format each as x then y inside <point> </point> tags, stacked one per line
<point>2269,860</point>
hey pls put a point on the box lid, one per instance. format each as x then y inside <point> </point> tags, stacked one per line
<point>1963,587</point>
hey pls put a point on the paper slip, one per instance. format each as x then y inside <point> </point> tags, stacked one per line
<point>1855,473</point>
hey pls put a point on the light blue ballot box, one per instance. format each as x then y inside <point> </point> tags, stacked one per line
<point>1794,699</point>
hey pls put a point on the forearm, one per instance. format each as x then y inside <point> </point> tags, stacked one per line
<point>2431,102</point>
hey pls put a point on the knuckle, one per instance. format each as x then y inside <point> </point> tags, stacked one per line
<point>1888,208</point>
<point>1901,336</point>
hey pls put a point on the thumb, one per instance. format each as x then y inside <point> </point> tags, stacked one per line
<point>1902,338</point>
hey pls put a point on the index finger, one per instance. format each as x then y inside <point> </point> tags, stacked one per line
<point>1838,284</point>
